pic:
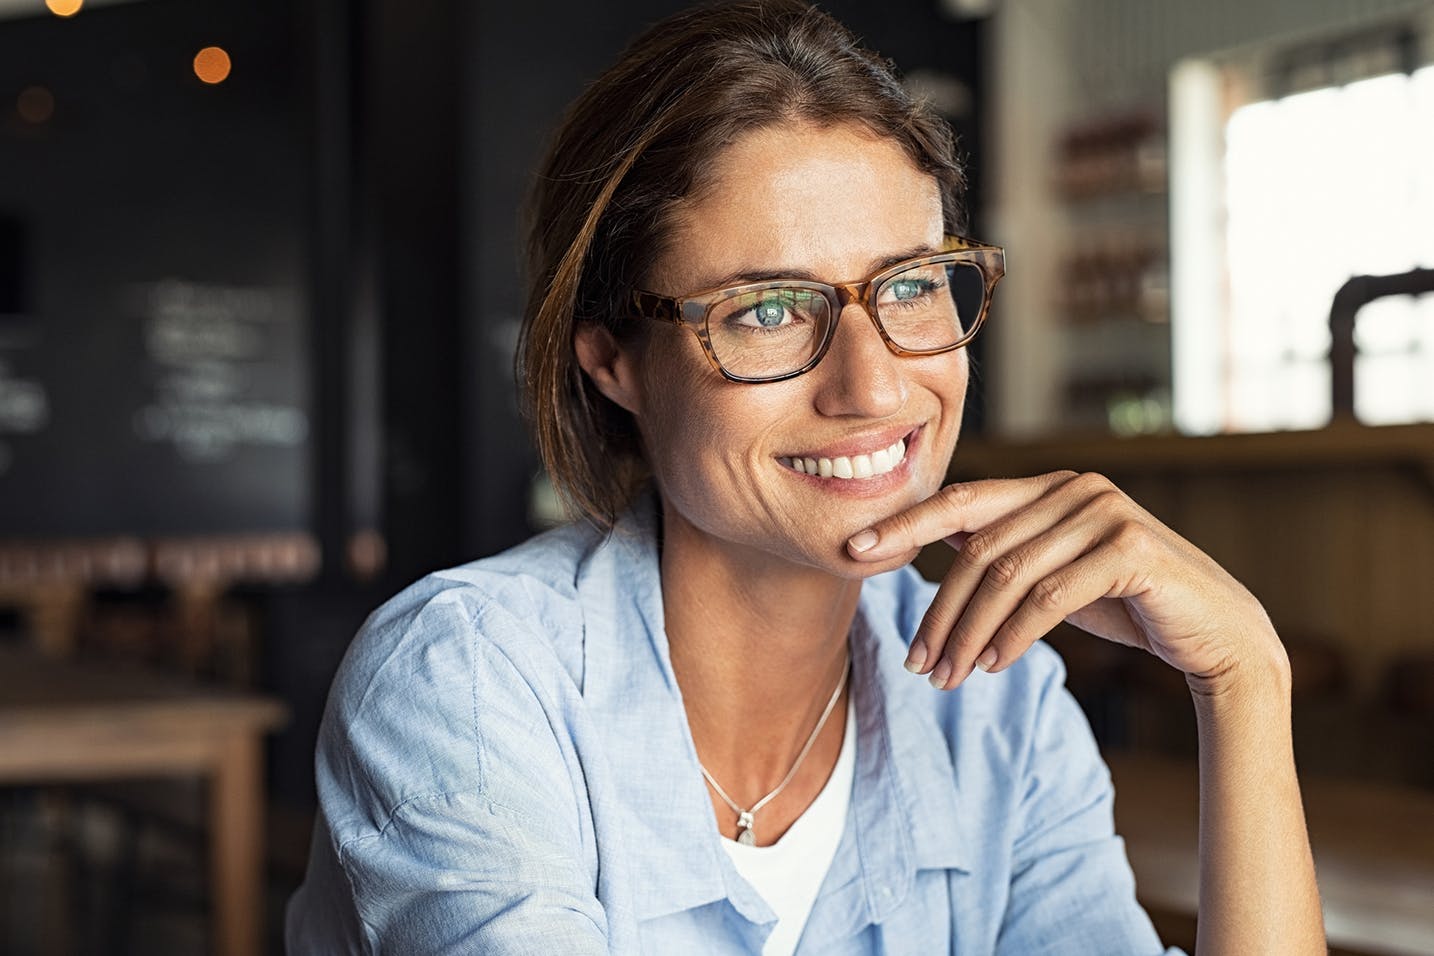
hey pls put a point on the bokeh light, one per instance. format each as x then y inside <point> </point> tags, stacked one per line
<point>212,65</point>
<point>64,8</point>
<point>35,104</point>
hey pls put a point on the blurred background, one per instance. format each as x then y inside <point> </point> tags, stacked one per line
<point>259,292</point>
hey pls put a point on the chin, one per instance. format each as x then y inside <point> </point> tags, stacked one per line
<point>831,556</point>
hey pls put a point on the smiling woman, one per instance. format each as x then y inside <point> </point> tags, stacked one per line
<point>831,386</point>
<point>682,723</point>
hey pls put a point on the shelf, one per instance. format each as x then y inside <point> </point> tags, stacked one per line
<point>1339,446</point>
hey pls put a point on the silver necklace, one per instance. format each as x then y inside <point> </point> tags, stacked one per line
<point>745,824</point>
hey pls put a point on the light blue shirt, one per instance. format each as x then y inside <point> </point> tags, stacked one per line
<point>505,767</point>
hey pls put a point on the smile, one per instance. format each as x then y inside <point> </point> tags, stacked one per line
<point>851,467</point>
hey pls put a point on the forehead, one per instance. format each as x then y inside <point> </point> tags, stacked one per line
<point>829,200</point>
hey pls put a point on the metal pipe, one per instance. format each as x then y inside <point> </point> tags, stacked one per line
<point>1351,297</point>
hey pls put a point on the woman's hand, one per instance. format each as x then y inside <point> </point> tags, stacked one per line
<point>1035,551</point>
<point>1032,552</point>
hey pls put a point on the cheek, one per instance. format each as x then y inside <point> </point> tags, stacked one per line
<point>706,438</point>
<point>946,377</point>
<point>948,382</point>
<point>679,414</point>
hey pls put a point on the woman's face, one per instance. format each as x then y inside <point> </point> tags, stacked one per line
<point>836,204</point>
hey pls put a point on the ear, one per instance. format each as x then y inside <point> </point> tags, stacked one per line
<point>612,368</point>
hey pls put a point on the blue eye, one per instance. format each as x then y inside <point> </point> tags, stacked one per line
<point>769,313</point>
<point>903,289</point>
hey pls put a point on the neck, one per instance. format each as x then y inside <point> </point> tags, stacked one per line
<point>758,646</point>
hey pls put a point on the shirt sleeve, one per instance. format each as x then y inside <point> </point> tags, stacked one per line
<point>448,801</point>
<point>1072,890</point>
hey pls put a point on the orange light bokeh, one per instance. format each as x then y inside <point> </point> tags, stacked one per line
<point>35,104</point>
<point>212,65</point>
<point>64,8</point>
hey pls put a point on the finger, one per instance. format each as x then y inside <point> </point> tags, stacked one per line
<point>955,509</point>
<point>975,557</point>
<point>1006,584</point>
<point>992,559</point>
<point>1054,598</point>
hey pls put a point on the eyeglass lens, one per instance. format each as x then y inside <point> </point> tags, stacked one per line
<point>775,332</point>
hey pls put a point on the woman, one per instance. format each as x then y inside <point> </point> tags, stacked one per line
<point>680,725</point>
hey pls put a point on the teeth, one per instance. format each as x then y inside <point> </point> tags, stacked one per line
<point>854,467</point>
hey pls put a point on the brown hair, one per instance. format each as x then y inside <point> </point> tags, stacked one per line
<point>630,151</point>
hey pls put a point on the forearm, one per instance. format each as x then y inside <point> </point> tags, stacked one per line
<point>1257,880</point>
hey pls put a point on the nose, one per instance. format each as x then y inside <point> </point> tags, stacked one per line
<point>859,376</point>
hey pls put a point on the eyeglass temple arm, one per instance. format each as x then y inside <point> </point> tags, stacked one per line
<point>653,306</point>
<point>954,243</point>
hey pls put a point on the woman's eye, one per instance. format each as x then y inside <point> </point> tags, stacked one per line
<point>903,289</point>
<point>779,310</point>
<point>769,313</point>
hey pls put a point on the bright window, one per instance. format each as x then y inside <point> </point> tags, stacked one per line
<point>1318,187</point>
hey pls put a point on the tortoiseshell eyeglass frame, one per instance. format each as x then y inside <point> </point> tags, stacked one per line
<point>692,310</point>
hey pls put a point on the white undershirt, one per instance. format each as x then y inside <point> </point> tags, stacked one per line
<point>789,873</point>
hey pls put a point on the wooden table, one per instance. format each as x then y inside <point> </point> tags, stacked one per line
<point>1373,847</point>
<point>63,722</point>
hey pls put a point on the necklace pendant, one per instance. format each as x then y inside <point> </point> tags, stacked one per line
<point>745,826</point>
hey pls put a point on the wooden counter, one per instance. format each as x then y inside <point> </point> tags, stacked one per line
<point>63,722</point>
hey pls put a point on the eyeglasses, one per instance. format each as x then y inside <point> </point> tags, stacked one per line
<point>775,330</point>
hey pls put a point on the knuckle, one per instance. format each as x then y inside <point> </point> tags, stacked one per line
<point>938,614</point>
<point>1049,594</point>
<point>902,527</point>
<point>962,640</point>
<point>957,496</point>
<point>1107,509</point>
<point>1091,484</point>
<point>1109,497</point>
<point>1131,536</point>
<point>976,552</point>
<point>1005,570</point>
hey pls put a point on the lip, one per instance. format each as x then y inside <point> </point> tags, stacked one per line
<point>865,487</point>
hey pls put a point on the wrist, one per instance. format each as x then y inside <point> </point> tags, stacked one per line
<point>1259,675</point>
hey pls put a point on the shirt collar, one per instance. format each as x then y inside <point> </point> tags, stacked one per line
<point>631,690</point>
<point>903,815</point>
<point>906,803</point>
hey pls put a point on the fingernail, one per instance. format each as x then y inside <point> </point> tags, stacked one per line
<point>917,658</point>
<point>987,660</point>
<point>862,540</point>
<point>938,676</point>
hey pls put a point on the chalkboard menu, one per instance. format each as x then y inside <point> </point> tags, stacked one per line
<point>153,267</point>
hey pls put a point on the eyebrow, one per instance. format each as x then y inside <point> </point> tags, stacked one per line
<point>745,276</point>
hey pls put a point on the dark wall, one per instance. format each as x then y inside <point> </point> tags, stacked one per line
<point>530,61</point>
<point>153,286</point>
